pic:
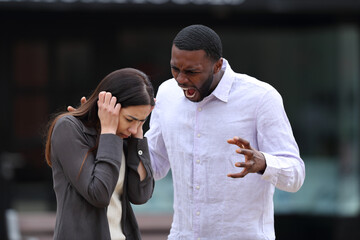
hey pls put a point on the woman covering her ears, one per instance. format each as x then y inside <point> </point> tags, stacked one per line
<point>100,160</point>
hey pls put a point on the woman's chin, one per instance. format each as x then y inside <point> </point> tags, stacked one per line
<point>123,136</point>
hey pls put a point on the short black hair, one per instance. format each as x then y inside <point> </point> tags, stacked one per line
<point>199,37</point>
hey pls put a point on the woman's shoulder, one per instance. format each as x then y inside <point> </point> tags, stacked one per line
<point>67,118</point>
<point>68,122</point>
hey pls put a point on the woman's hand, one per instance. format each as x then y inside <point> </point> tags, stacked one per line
<point>108,112</point>
<point>139,132</point>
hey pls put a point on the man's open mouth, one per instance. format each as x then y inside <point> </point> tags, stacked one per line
<point>189,92</point>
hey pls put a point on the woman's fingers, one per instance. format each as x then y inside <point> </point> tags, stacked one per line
<point>108,112</point>
<point>106,100</point>
<point>101,98</point>
<point>108,97</point>
<point>117,107</point>
<point>113,102</point>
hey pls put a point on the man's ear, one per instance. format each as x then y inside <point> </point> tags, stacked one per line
<point>218,65</point>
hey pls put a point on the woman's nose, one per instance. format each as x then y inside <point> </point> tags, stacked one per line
<point>133,128</point>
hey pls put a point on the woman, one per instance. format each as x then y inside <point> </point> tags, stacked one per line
<point>96,149</point>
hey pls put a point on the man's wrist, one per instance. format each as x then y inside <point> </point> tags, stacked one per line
<point>265,165</point>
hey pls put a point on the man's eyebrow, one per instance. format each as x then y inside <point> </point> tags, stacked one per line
<point>190,69</point>
<point>134,118</point>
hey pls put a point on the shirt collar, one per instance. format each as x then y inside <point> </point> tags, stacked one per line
<point>222,90</point>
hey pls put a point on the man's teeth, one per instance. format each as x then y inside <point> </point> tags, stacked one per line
<point>188,95</point>
<point>186,90</point>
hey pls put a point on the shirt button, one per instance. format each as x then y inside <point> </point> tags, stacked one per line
<point>198,161</point>
<point>197,187</point>
<point>198,238</point>
<point>199,109</point>
<point>197,213</point>
<point>140,152</point>
<point>198,135</point>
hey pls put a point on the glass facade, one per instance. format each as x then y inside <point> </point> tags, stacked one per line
<point>50,60</point>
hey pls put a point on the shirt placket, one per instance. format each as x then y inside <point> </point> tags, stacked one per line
<point>198,173</point>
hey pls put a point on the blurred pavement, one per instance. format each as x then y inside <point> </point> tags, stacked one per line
<point>40,225</point>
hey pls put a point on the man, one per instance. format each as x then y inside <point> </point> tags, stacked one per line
<point>223,185</point>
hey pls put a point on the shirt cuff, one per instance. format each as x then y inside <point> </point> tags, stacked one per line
<point>142,152</point>
<point>110,147</point>
<point>271,173</point>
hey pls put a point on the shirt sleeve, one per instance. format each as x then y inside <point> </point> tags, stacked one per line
<point>94,177</point>
<point>285,168</point>
<point>139,192</point>
<point>158,154</point>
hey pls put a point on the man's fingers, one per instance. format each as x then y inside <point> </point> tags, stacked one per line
<point>245,152</point>
<point>247,164</point>
<point>238,175</point>
<point>243,142</point>
<point>231,141</point>
<point>234,140</point>
<point>70,109</point>
<point>240,142</point>
<point>83,100</point>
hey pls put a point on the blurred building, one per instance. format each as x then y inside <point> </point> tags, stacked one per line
<point>52,52</point>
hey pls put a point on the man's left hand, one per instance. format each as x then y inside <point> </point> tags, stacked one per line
<point>254,159</point>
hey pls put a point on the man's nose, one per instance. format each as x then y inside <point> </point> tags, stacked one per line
<point>181,79</point>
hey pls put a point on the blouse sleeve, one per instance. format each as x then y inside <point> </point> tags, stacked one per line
<point>139,192</point>
<point>94,177</point>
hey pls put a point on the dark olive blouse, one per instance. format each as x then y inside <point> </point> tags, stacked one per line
<point>83,196</point>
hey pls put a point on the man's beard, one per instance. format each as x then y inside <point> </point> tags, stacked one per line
<point>204,90</point>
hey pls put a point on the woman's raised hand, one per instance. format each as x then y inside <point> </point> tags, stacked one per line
<point>108,112</point>
<point>139,132</point>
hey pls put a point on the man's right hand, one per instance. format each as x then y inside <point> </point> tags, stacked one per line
<point>82,101</point>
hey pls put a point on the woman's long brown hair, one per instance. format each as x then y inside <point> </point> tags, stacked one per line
<point>130,86</point>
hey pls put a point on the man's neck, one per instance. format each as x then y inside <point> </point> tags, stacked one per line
<point>217,79</point>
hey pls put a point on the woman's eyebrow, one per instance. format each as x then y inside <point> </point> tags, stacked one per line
<point>134,118</point>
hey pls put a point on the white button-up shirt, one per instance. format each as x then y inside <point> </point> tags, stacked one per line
<point>191,139</point>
